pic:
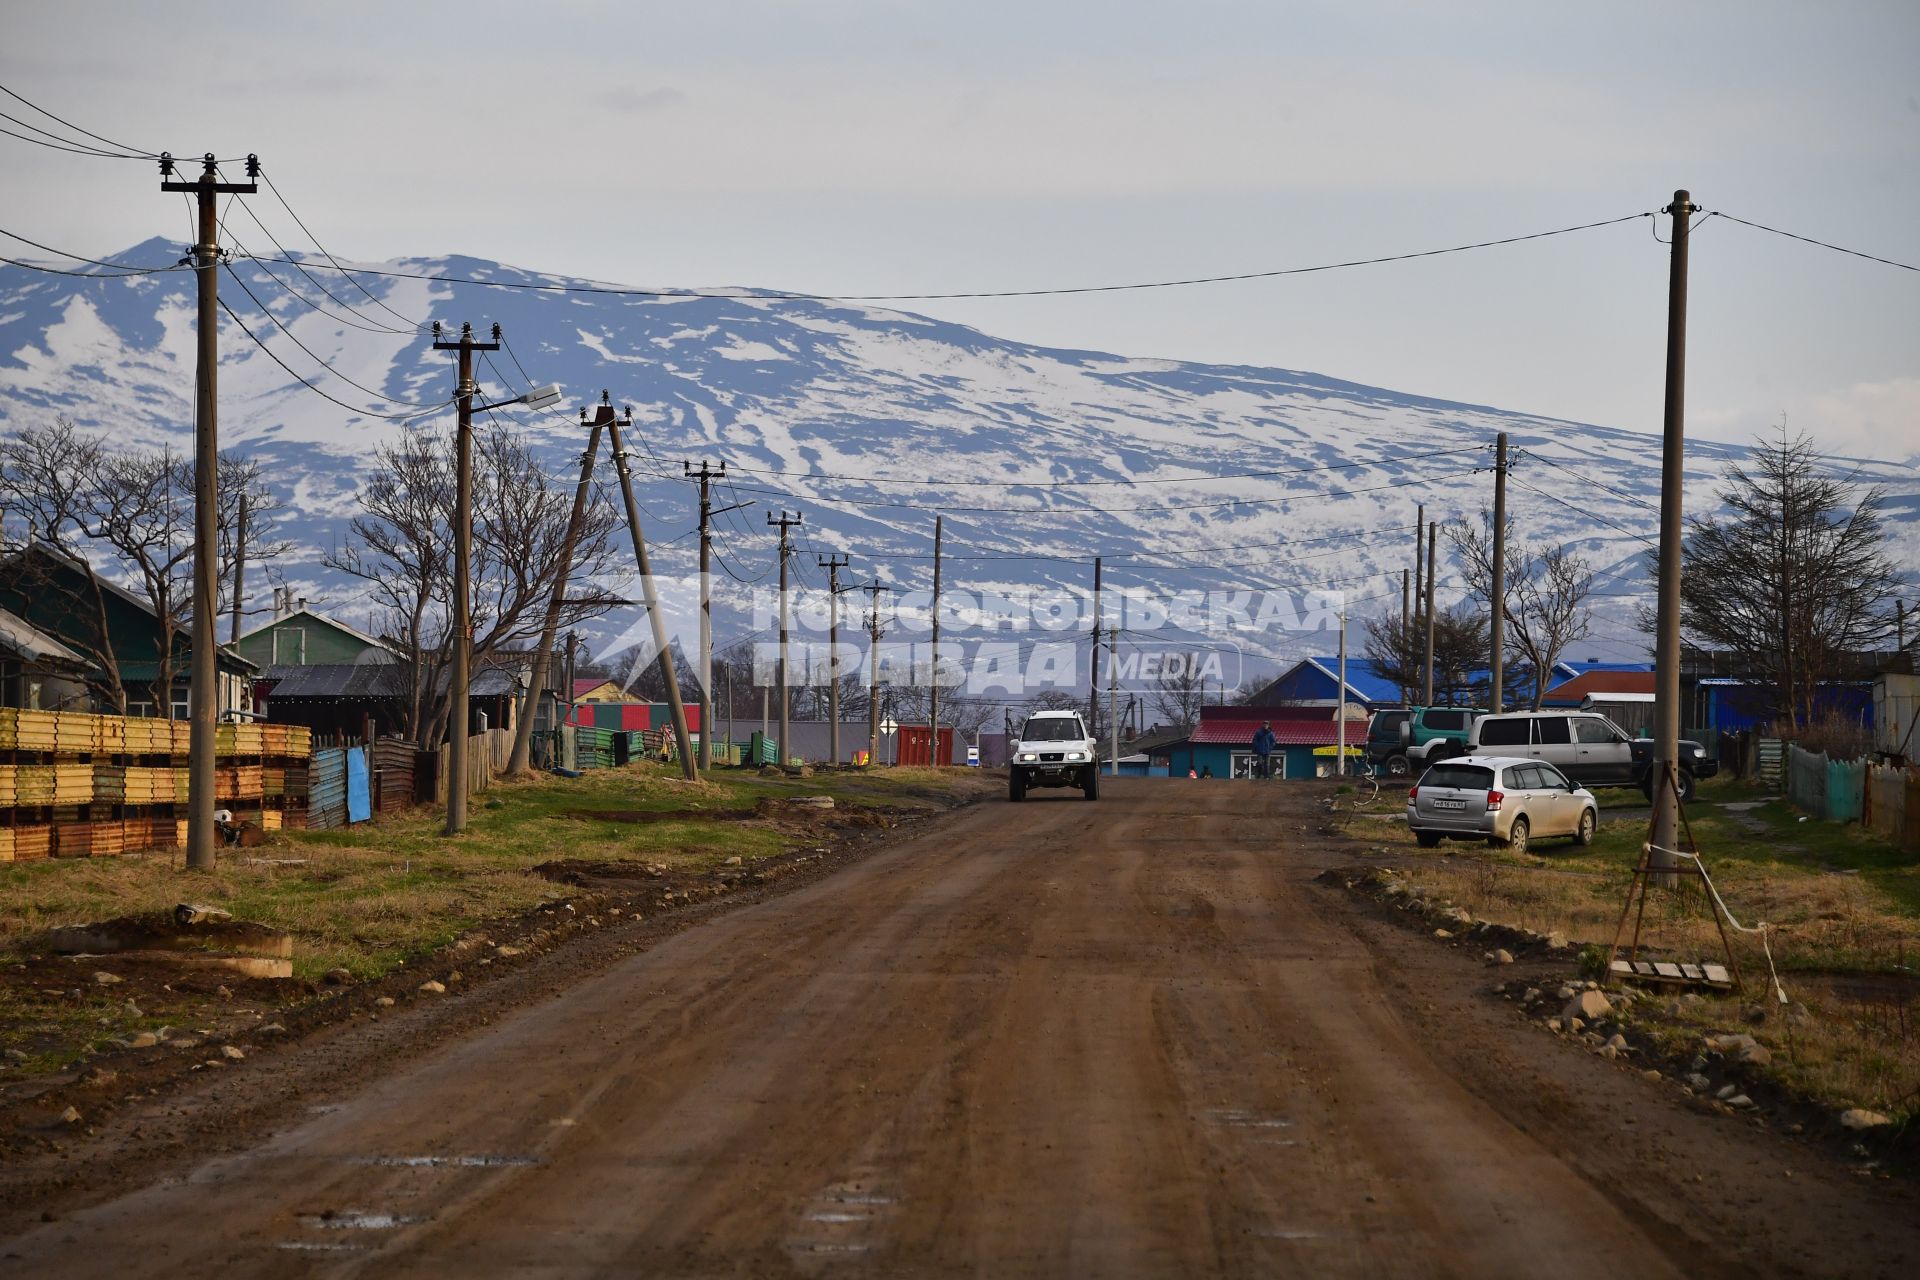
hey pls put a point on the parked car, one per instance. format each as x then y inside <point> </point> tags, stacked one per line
<point>1432,734</point>
<point>1507,801</point>
<point>1055,750</point>
<point>1587,747</point>
<point>1384,750</point>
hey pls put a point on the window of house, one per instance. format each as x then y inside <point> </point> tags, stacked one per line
<point>290,646</point>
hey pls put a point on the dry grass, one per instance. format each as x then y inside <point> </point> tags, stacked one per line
<point>366,897</point>
<point>1843,906</point>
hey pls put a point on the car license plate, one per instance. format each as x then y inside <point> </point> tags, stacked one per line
<point>1449,804</point>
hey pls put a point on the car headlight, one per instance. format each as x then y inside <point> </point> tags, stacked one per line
<point>1076,755</point>
<point>1026,756</point>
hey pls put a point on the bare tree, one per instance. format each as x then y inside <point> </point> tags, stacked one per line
<point>1460,641</point>
<point>1547,586</point>
<point>1792,578</point>
<point>236,477</point>
<point>401,547</point>
<point>1179,696</point>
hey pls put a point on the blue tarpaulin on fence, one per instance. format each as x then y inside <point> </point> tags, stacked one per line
<point>359,794</point>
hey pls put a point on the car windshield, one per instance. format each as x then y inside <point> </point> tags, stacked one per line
<point>1467,777</point>
<point>1052,729</point>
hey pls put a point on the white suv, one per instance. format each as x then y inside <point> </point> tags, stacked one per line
<point>1055,750</point>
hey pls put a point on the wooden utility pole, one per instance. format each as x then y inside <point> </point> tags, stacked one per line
<point>933,673</point>
<point>1497,624</point>
<point>785,523</point>
<point>1664,827</point>
<point>522,758</point>
<point>1432,546</point>
<point>873,589</point>
<point>239,570</point>
<point>1093,656</point>
<point>1406,618</point>
<point>1113,693</point>
<point>462,632</point>
<point>203,707</point>
<point>833,564</point>
<point>706,475</point>
<point>651,594</point>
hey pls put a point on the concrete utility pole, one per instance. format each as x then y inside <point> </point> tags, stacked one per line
<point>833,564</point>
<point>1113,691</point>
<point>1093,656</point>
<point>462,633</point>
<point>1664,828</point>
<point>785,523</point>
<point>706,475</point>
<point>933,673</point>
<point>1497,625</point>
<point>522,758</point>
<point>873,589</point>
<point>1433,542</point>
<point>651,594</point>
<point>1419,550</point>
<point>239,569</point>
<point>203,707</point>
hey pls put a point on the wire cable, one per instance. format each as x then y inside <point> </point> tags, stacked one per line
<point>119,267</point>
<point>365,413</point>
<point>147,155</point>
<point>1592,515</point>
<point>334,262</point>
<point>1870,257</point>
<point>786,296</point>
<point>1622,494</point>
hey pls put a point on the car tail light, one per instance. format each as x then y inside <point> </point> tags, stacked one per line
<point>1413,793</point>
<point>1493,801</point>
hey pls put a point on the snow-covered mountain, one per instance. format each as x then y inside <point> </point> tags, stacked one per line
<point>909,414</point>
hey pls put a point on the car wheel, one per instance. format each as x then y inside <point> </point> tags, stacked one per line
<point>1517,835</point>
<point>1589,823</point>
<point>1686,786</point>
<point>1016,786</point>
<point>1397,767</point>
<point>1427,839</point>
<point>1092,785</point>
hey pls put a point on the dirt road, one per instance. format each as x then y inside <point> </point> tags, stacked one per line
<point>1053,1039</point>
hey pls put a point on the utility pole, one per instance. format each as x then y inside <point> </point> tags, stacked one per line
<point>203,707</point>
<point>462,637</point>
<point>651,594</point>
<point>1497,625</point>
<point>1664,828</point>
<point>1406,618</point>
<point>1433,543</point>
<point>1340,708</point>
<point>833,564</point>
<point>1093,655</point>
<point>706,475</point>
<point>873,589</point>
<point>239,569</point>
<point>933,673</point>
<point>522,757</point>
<point>1113,690</point>
<point>785,522</point>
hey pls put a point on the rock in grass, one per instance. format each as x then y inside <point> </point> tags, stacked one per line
<point>102,978</point>
<point>383,1002</point>
<point>1859,1118</point>
<point>433,988</point>
<point>1503,956</point>
<point>1588,1005</point>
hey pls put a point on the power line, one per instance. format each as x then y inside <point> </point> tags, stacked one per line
<point>1761,226</point>
<point>1593,515</point>
<point>355,409</point>
<point>1581,475</point>
<point>147,155</point>
<point>1079,484</point>
<point>63,144</point>
<point>786,296</point>
<point>334,262</point>
<point>279,324</point>
<point>120,268</point>
<point>1212,504</point>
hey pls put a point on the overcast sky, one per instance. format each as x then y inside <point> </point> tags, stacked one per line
<point>883,146</point>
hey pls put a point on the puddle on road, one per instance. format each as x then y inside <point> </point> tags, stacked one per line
<point>359,1220</point>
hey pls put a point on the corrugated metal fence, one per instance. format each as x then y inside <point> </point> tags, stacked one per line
<point>1886,799</point>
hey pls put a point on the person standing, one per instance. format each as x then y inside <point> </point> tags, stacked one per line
<point>1263,744</point>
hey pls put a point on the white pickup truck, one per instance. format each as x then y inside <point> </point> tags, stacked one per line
<point>1054,750</point>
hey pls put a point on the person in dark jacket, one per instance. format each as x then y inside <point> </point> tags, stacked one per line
<point>1263,744</point>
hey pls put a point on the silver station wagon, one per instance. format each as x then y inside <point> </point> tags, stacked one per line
<point>1504,800</point>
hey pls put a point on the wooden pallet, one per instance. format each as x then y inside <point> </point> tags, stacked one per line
<point>1663,973</point>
